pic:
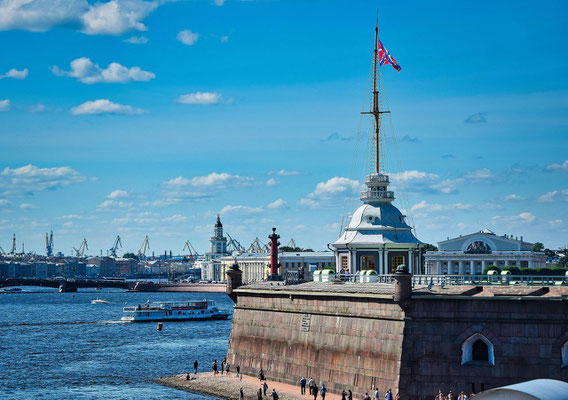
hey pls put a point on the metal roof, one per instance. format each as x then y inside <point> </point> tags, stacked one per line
<point>537,389</point>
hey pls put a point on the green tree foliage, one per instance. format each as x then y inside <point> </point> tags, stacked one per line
<point>563,262</point>
<point>491,268</point>
<point>294,249</point>
<point>537,246</point>
<point>514,270</point>
<point>549,253</point>
<point>130,255</point>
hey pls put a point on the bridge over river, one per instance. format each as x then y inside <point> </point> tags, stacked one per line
<point>67,285</point>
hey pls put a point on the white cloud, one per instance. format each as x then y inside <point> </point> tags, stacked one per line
<point>219,2</point>
<point>278,203</point>
<point>426,207</point>
<point>271,182</point>
<point>27,206</point>
<point>419,181</point>
<point>137,40</point>
<point>224,39</point>
<point>513,197</point>
<point>483,174</point>
<point>177,218</point>
<point>88,72</point>
<point>29,179</point>
<point>104,106</point>
<point>112,17</point>
<point>15,74</point>
<point>326,192</point>
<point>4,202</point>
<point>187,37</point>
<point>109,205</point>
<point>240,210</point>
<point>4,105</point>
<point>76,217</point>
<point>213,179</point>
<point>527,216</point>
<point>555,195</point>
<point>200,98</point>
<point>557,166</point>
<point>283,172</point>
<point>118,194</point>
<point>513,220</point>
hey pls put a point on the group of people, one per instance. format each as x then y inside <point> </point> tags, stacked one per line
<point>452,396</point>
<point>224,367</point>
<point>314,390</point>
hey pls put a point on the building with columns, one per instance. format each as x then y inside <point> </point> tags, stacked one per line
<point>377,236</point>
<point>470,254</point>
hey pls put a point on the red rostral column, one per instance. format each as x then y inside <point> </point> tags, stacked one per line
<point>274,252</point>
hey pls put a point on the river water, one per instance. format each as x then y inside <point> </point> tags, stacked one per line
<point>60,346</point>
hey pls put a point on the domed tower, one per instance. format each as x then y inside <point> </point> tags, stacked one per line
<point>377,236</point>
<point>218,241</point>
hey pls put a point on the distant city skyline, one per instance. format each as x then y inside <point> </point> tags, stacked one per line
<point>150,118</point>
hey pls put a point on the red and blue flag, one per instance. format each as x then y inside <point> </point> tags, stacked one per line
<point>386,58</point>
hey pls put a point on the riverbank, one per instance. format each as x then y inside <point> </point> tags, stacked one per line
<point>221,386</point>
<point>177,287</point>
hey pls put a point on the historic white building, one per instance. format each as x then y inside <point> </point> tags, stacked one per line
<point>377,236</point>
<point>470,254</point>
<point>218,242</point>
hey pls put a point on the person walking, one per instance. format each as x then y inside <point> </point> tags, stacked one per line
<point>227,369</point>
<point>323,391</point>
<point>303,386</point>
<point>388,395</point>
<point>315,393</point>
<point>259,393</point>
<point>343,395</point>
<point>241,394</point>
<point>238,370</point>
<point>214,367</point>
<point>450,396</point>
<point>311,384</point>
<point>264,387</point>
<point>367,397</point>
<point>349,395</point>
<point>222,366</point>
<point>274,395</point>
<point>376,394</point>
<point>195,365</point>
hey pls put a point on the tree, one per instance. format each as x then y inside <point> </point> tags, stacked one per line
<point>514,270</point>
<point>131,255</point>
<point>538,247</point>
<point>549,253</point>
<point>563,262</point>
<point>293,249</point>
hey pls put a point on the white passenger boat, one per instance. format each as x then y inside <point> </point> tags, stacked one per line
<point>174,311</point>
<point>99,301</point>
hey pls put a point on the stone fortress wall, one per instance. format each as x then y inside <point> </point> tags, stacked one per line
<point>361,340</point>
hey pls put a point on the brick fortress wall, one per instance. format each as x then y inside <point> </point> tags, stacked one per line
<point>342,342</point>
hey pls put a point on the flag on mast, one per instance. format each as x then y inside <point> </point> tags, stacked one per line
<point>386,58</point>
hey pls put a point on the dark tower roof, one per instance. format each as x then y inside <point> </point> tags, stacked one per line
<point>218,224</point>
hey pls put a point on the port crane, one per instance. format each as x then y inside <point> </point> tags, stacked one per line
<point>49,244</point>
<point>190,249</point>
<point>80,252</point>
<point>292,243</point>
<point>13,251</point>
<point>257,247</point>
<point>234,245</point>
<point>116,245</point>
<point>145,246</point>
<point>2,252</point>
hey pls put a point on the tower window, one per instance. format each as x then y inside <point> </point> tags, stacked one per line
<point>479,351</point>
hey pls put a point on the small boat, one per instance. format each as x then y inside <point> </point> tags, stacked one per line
<point>174,311</point>
<point>99,301</point>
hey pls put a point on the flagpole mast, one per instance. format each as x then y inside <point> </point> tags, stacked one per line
<point>375,111</point>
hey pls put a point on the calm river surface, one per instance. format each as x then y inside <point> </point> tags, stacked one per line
<point>56,346</point>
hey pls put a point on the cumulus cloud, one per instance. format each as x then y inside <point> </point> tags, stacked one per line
<point>334,137</point>
<point>558,166</point>
<point>219,2</point>
<point>4,105</point>
<point>271,182</point>
<point>514,197</point>
<point>283,172</point>
<point>88,72</point>
<point>513,220</point>
<point>118,194</point>
<point>29,179</point>
<point>240,210</point>
<point>113,17</point>
<point>278,203</point>
<point>426,207</point>
<point>477,118</point>
<point>527,216</point>
<point>15,74</point>
<point>187,37</point>
<point>420,181</point>
<point>555,195</point>
<point>27,206</point>
<point>221,180</point>
<point>137,40</point>
<point>483,174</point>
<point>104,106</point>
<point>326,192</point>
<point>411,139</point>
<point>111,205</point>
<point>200,98</point>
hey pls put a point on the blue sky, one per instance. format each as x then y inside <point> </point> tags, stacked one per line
<point>149,118</point>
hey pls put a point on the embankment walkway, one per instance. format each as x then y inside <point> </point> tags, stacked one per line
<point>227,387</point>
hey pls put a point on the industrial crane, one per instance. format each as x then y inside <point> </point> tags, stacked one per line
<point>2,252</point>
<point>145,246</point>
<point>114,247</point>
<point>234,245</point>
<point>80,252</point>
<point>258,247</point>
<point>190,249</point>
<point>49,244</point>
<point>13,251</point>
<point>292,243</point>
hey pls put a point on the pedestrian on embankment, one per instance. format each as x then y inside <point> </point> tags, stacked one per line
<point>349,395</point>
<point>259,393</point>
<point>264,387</point>
<point>238,370</point>
<point>227,369</point>
<point>315,393</point>
<point>195,365</point>
<point>241,394</point>
<point>377,394</point>
<point>214,367</point>
<point>222,366</point>
<point>311,384</point>
<point>323,391</point>
<point>303,386</point>
<point>343,395</point>
<point>388,395</point>
<point>367,397</point>
<point>274,395</point>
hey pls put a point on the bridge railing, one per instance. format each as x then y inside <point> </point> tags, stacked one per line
<point>504,280</point>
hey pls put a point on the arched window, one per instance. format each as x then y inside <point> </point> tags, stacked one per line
<point>477,350</point>
<point>565,355</point>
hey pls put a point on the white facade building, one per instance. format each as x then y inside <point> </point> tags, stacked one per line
<point>218,242</point>
<point>471,254</point>
<point>377,236</point>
